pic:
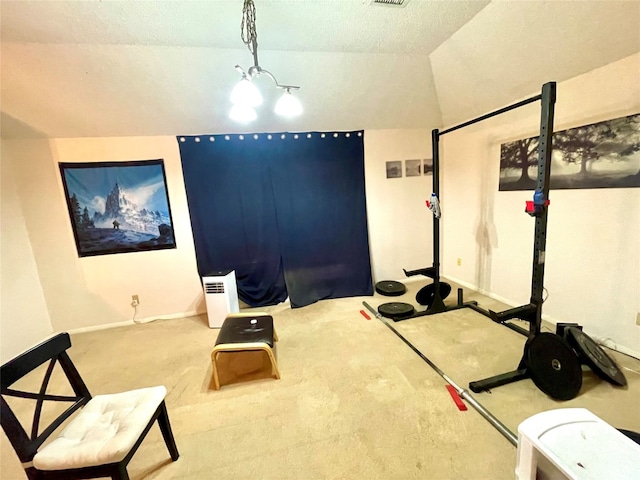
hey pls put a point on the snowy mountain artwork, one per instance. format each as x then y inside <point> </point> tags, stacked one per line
<point>118,207</point>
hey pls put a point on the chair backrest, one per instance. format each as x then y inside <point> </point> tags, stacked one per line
<point>52,350</point>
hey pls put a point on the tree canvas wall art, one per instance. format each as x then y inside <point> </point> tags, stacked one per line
<point>118,207</point>
<point>600,155</point>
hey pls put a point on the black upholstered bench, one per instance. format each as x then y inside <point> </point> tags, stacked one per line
<point>242,332</point>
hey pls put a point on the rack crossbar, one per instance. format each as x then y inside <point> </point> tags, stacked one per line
<point>493,114</point>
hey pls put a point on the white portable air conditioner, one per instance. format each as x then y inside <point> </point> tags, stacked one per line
<point>221,296</point>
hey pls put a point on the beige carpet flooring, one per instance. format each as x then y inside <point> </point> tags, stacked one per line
<point>354,402</point>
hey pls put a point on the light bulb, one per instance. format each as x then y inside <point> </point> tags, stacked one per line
<point>246,93</point>
<point>288,105</point>
<point>243,113</point>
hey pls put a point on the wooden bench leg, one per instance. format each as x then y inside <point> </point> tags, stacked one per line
<point>242,347</point>
<point>216,380</point>
<point>274,365</point>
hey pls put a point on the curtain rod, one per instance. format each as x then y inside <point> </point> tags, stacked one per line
<point>271,136</point>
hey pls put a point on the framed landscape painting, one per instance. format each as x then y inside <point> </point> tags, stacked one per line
<point>118,207</point>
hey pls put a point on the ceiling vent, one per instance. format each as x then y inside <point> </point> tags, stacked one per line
<point>389,3</point>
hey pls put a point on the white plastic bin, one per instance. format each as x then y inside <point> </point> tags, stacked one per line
<point>573,443</point>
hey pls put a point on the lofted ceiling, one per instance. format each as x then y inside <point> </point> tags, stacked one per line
<point>131,68</point>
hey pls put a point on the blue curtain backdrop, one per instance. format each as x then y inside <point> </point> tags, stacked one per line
<point>286,211</point>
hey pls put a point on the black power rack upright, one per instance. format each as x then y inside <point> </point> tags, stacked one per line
<point>531,312</point>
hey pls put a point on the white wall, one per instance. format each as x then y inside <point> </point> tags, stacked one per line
<point>24,318</point>
<point>400,225</point>
<point>96,291</point>
<point>593,242</point>
<point>593,259</point>
<point>90,292</point>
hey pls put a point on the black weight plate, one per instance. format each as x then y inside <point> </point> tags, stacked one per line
<point>427,294</point>
<point>390,288</point>
<point>396,310</point>
<point>595,356</point>
<point>554,366</point>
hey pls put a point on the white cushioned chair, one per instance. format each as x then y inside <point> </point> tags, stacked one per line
<point>103,432</point>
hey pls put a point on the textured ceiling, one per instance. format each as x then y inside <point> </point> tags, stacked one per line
<point>128,68</point>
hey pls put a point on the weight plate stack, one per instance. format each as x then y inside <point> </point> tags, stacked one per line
<point>595,356</point>
<point>390,288</point>
<point>396,310</point>
<point>554,366</point>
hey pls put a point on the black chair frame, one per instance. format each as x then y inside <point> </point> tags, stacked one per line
<point>27,445</point>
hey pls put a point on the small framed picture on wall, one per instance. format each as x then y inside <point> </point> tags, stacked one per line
<point>413,168</point>
<point>427,166</point>
<point>394,169</point>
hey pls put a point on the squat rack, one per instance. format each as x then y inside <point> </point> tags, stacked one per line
<point>531,312</point>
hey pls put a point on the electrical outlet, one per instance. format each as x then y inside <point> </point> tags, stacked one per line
<point>459,262</point>
<point>135,300</point>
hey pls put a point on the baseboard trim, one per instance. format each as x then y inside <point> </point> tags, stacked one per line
<point>550,321</point>
<point>169,317</point>
<point>611,345</point>
<point>412,279</point>
<point>486,293</point>
<point>126,323</point>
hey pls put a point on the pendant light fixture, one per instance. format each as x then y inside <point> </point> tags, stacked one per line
<point>245,96</point>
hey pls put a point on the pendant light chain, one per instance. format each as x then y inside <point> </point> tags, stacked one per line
<point>245,96</point>
<point>248,26</point>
